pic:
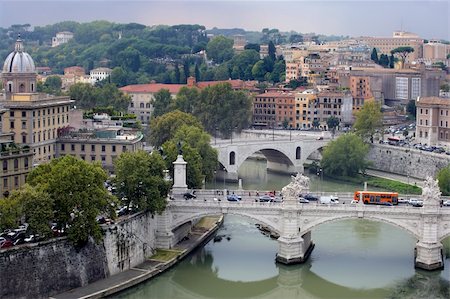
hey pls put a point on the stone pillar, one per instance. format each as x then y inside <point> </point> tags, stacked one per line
<point>179,176</point>
<point>429,250</point>
<point>293,247</point>
<point>240,184</point>
<point>164,234</point>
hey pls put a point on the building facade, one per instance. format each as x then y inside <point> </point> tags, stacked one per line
<point>433,121</point>
<point>61,38</point>
<point>274,109</point>
<point>99,74</point>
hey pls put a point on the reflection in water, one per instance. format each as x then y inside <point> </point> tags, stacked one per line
<point>344,264</point>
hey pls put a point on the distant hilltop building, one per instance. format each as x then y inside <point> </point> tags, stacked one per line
<point>99,74</point>
<point>61,38</point>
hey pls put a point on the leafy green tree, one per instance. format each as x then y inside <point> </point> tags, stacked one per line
<point>130,59</point>
<point>402,52</point>
<point>279,71</point>
<point>374,55</point>
<point>223,108</point>
<point>162,102</point>
<point>332,123</point>
<point>301,81</point>
<point>177,74</point>
<point>119,76</point>
<point>258,71</point>
<point>241,64</point>
<point>384,60</point>
<point>220,49</point>
<point>272,51</point>
<point>411,108</point>
<point>77,191</point>
<point>315,123</point>
<point>368,120</point>
<point>198,139</point>
<point>444,180</point>
<point>345,156</point>
<point>140,180</point>
<point>445,87</point>
<point>37,207</point>
<point>251,46</point>
<point>88,96</point>
<point>52,85</point>
<point>222,72</point>
<point>187,100</point>
<point>391,61</point>
<point>10,212</point>
<point>186,70</point>
<point>197,73</point>
<point>164,127</point>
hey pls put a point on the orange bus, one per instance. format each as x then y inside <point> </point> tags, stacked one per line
<point>377,198</point>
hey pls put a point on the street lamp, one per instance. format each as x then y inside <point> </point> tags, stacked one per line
<point>215,179</point>
<point>319,176</point>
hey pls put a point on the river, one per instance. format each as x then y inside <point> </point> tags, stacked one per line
<point>351,259</point>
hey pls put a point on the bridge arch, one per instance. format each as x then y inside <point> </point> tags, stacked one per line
<point>410,227</point>
<point>271,222</point>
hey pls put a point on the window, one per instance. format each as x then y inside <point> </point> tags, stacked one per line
<point>24,114</point>
<point>92,147</point>
<point>63,147</point>
<point>103,148</point>
<point>16,164</point>
<point>11,124</point>
<point>24,124</point>
<point>82,147</point>
<point>72,147</point>
<point>92,158</point>
<point>11,113</point>
<point>24,138</point>
<point>5,165</point>
<point>25,162</point>
<point>113,148</point>
<point>124,148</point>
<point>16,181</point>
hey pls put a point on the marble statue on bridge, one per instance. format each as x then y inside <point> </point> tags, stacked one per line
<point>299,184</point>
<point>431,193</point>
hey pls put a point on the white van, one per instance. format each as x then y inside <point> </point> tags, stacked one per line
<point>329,199</point>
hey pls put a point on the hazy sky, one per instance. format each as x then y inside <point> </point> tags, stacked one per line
<point>429,19</point>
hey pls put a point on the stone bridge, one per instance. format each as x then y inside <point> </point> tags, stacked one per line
<point>294,222</point>
<point>283,155</point>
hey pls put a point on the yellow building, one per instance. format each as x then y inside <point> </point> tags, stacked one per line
<point>304,109</point>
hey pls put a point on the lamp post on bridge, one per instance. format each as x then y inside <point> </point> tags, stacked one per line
<point>319,176</point>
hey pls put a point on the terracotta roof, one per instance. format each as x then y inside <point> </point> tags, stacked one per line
<point>235,84</point>
<point>433,101</point>
<point>152,88</point>
<point>275,94</point>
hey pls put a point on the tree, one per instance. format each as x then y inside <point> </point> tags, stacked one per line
<point>368,120</point>
<point>222,108</point>
<point>374,55</point>
<point>345,156</point>
<point>177,74</point>
<point>272,51</point>
<point>220,49</point>
<point>315,123</point>
<point>187,100</point>
<point>140,180</point>
<point>76,189</point>
<point>255,47</point>
<point>186,70</point>
<point>384,60</point>
<point>445,87</point>
<point>258,71</point>
<point>444,180</point>
<point>332,123</point>
<point>52,85</point>
<point>37,208</point>
<point>197,73</point>
<point>164,127</point>
<point>391,61</point>
<point>411,108</point>
<point>162,102</point>
<point>119,77</point>
<point>10,212</point>
<point>402,52</point>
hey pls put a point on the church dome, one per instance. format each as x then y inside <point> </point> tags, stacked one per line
<point>19,61</point>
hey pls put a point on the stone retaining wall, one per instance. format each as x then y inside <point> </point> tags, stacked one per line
<point>406,161</point>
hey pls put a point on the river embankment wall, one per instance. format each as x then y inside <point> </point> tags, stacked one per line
<point>406,161</point>
<point>46,268</point>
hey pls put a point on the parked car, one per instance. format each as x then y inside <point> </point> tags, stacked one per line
<point>233,197</point>
<point>6,244</point>
<point>277,199</point>
<point>403,200</point>
<point>189,195</point>
<point>32,238</point>
<point>446,203</point>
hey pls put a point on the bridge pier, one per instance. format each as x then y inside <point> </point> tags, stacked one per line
<point>164,234</point>
<point>294,249</point>
<point>429,256</point>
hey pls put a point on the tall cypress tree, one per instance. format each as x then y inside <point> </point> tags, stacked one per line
<point>374,55</point>
<point>391,61</point>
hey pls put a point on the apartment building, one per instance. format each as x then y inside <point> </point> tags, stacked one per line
<point>385,45</point>
<point>433,121</point>
<point>274,109</point>
<point>61,38</point>
<point>337,104</point>
<point>360,90</point>
<point>101,145</point>
<point>305,114</point>
<point>33,119</point>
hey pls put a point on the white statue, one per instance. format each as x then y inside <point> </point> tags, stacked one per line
<point>299,184</point>
<point>430,192</point>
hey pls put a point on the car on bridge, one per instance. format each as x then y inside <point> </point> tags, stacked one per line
<point>310,197</point>
<point>446,203</point>
<point>233,197</point>
<point>189,195</point>
<point>303,200</point>
<point>265,198</point>
<point>415,202</point>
